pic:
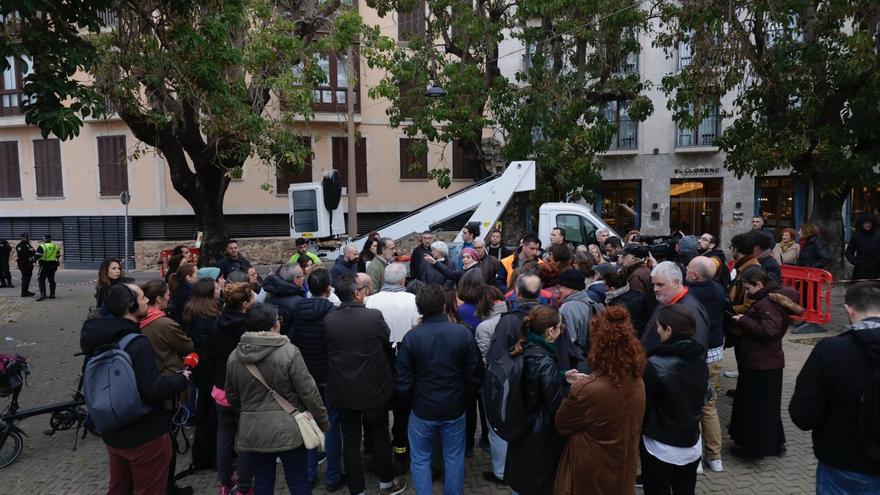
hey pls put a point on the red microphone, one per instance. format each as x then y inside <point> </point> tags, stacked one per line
<point>190,361</point>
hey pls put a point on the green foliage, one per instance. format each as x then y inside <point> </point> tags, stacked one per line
<point>805,83</point>
<point>550,110</point>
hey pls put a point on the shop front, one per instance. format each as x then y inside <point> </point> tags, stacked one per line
<point>695,205</point>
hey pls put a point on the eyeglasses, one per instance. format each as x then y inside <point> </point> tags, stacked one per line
<point>362,287</point>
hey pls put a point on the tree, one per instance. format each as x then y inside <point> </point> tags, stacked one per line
<point>552,109</point>
<point>206,84</point>
<point>805,80</point>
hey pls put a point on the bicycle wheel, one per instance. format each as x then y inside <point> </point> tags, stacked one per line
<point>10,448</point>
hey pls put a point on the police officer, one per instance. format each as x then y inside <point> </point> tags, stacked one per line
<point>47,255</point>
<point>24,254</point>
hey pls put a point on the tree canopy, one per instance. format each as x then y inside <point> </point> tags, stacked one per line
<point>205,84</point>
<point>805,81</point>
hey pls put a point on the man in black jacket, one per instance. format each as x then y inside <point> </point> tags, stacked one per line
<point>24,254</point>
<point>285,289</point>
<point>669,289</point>
<point>347,263</point>
<point>360,381</point>
<point>701,283</point>
<point>438,368</point>
<point>5,274</point>
<point>419,253</point>
<point>139,452</point>
<point>763,251</point>
<point>233,261</point>
<point>759,227</point>
<point>828,397</point>
<point>863,250</point>
<point>308,332</point>
<point>676,378</point>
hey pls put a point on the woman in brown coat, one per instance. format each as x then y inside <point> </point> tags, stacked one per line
<point>602,416</point>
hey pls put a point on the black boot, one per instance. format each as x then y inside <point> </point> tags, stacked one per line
<point>42,296</point>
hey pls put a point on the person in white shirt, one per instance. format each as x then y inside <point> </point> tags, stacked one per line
<point>401,314</point>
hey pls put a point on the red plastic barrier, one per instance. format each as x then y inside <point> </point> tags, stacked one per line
<point>814,286</point>
<point>165,255</point>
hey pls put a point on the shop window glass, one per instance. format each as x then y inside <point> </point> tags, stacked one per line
<point>776,203</point>
<point>620,204</point>
<point>695,205</point>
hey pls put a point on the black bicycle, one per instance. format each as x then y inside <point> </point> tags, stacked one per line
<point>64,415</point>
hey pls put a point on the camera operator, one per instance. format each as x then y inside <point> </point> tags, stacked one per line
<point>634,262</point>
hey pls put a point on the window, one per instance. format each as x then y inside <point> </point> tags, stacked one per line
<point>776,202</point>
<point>411,25</point>
<point>331,96</point>
<point>112,165</point>
<point>340,162</point>
<point>11,93</point>
<point>578,230</point>
<point>413,163</point>
<point>704,135</point>
<point>47,166</point>
<point>684,55</point>
<point>620,204</point>
<point>626,131</point>
<point>695,205</point>
<point>628,64</point>
<point>864,199</point>
<point>284,178</point>
<point>460,166</point>
<point>10,175</point>
<point>409,91</point>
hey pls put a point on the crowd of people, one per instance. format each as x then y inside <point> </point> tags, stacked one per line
<point>614,351</point>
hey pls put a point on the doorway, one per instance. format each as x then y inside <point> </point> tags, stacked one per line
<point>695,206</point>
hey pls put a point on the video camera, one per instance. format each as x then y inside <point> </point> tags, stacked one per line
<point>661,247</point>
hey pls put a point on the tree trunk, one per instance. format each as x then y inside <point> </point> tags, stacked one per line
<point>475,160</point>
<point>207,205</point>
<point>827,214</point>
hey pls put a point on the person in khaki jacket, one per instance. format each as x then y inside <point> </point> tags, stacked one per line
<point>264,429</point>
<point>170,344</point>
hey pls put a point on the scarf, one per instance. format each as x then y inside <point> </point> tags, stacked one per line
<point>804,242</point>
<point>153,314</point>
<point>786,245</point>
<point>541,341</point>
<point>614,293</point>
<point>393,288</point>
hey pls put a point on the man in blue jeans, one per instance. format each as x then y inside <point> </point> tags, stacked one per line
<point>438,368</point>
<point>828,398</point>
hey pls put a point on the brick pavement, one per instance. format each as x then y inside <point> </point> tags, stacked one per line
<point>47,334</point>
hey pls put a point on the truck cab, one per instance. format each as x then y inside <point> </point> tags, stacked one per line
<point>577,221</point>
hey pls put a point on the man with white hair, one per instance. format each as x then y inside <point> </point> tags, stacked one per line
<point>347,263</point>
<point>669,289</point>
<point>399,310</point>
<point>602,236</point>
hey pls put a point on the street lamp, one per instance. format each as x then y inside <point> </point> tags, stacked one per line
<point>435,91</point>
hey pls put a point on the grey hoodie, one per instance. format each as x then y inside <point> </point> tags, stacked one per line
<point>263,424</point>
<point>486,328</point>
<point>577,310</point>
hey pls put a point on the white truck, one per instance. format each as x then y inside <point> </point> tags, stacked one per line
<point>316,210</point>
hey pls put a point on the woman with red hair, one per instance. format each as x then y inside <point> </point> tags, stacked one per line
<point>602,415</point>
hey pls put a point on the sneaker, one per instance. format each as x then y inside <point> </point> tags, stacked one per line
<point>490,477</point>
<point>335,487</point>
<point>639,481</point>
<point>715,465</point>
<point>730,374</point>
<point>700,467</point>
<point>396,487</point>
<point>322,458</point>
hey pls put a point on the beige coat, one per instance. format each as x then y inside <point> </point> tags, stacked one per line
<point>263,426</point>
<point>789,256</point>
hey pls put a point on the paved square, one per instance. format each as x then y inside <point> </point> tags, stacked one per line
<point>47,333</point>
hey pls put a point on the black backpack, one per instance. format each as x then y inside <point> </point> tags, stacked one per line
<point>503,397</point>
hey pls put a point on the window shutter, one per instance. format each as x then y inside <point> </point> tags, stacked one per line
<point>10,175</point>
<point>459,163</point>
<point>408,158</point>
<point>411,24</point>
<point>340,162</point>
<point>47,167</point>
<point>112,169</point>
<point>283,178</point>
